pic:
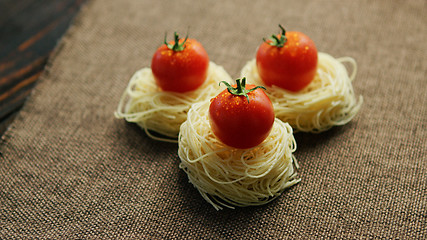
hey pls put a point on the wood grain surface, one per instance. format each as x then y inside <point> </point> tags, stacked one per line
<point>29,31</point>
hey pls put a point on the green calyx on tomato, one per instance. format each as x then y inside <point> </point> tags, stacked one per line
<point>177,46</point>
<point>275,41</point>
<point>240,88</point>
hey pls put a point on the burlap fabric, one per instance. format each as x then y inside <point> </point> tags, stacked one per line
<point>69,169</point>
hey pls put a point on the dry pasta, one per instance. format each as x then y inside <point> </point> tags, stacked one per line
<point>328,101</point>
<point>145,104</point>
<point>228,177</point>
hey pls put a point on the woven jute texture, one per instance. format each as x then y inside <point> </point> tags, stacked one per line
<point>69,169</point>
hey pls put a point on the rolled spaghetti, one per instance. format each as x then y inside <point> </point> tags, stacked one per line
<point>145,104</point>
<point>228,177</point>
<point>328,101</point>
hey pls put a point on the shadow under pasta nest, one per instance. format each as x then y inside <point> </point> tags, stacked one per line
<point>198,207</point>
<point>309,141</point>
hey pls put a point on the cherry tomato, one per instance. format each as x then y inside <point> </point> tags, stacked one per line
<point>287,60</point>
<point>241,116</point>
<point>180,65</point>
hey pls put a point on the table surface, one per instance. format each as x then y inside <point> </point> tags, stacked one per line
<point>29,31</point>
<point>70,169</point>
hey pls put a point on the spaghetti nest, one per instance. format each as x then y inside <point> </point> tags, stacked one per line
<point>228,177</point>
<point>145,104</point>
<point>328,101</point>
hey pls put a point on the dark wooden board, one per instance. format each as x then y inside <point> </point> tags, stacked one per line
<point>29,31</point>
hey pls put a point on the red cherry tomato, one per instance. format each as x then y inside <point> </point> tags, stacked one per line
<point>287,60</point>
<point>241,116</point>
<point>180,65</point>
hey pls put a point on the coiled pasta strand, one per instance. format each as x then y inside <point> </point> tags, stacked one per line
<point>145,104</point>
<point>328,101</point>
<point>228,177</point>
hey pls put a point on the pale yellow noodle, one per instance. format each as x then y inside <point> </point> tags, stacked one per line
<point>328,101</point>
<point>228,177</point>
<point>145,104</point>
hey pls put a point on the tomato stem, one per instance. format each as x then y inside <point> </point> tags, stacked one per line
<point>240,89</point>
<point>275,41</point>
<point>176,46</point>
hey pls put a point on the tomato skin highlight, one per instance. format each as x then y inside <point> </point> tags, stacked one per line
<point>291,67</point>
<point>180,71</point>
<point>240,124</point>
